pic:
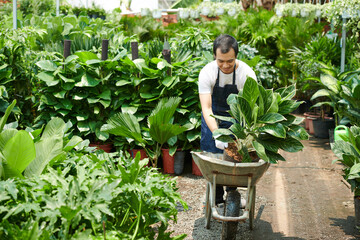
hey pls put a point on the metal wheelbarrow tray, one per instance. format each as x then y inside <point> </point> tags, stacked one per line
<point>218,171</point>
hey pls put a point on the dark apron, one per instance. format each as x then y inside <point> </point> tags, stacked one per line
<point>219,107</point>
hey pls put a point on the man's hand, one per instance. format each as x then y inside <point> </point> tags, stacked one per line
<point>221,145</point>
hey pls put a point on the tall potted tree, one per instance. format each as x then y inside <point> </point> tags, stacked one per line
<point>160,127</point>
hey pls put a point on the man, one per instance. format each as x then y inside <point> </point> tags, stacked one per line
<point>217,80</point>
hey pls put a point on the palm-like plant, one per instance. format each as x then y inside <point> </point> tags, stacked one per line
<point>160,127</point>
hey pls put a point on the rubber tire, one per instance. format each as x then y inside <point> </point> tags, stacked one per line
<point>252,210</point>
<point>207,207</point>
<point>232,209</point>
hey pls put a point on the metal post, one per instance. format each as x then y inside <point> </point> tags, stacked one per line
<point>343,46</point>
<point>134,50</point>
<point>57,7</point>
<point>67,45</point>
<point>104,49</point>
<point>14,14</point>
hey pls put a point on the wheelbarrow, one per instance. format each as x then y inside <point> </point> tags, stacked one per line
<point>218,171</point>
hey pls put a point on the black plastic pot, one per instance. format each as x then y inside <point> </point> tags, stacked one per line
<point>179,158</point>
<point>357,210</point>
<point>322,126</point>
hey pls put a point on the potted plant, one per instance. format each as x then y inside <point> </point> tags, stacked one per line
<point>348,151</point>
<point>262,123</point>
<point>160,127</point>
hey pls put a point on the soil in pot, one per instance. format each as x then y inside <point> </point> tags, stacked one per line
<point>231,154</point>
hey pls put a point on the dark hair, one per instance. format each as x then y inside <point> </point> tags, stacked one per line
<point>225,42</point>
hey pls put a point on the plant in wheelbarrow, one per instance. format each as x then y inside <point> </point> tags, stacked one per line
<point>262,126</point>
<point>161,127</point>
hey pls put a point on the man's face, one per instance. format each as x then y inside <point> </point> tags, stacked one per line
<point>225,61</point>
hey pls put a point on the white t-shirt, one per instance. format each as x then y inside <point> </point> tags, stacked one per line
<point>208,75</point>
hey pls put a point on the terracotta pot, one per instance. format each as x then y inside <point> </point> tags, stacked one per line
<point>195,169</point>
<point>311,125</point>
<point>168,161</point>
<point>107,147</point>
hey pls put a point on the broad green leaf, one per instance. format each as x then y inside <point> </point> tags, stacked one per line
<point>48,78</point>
<point>276,130</point>
<point>321,93</point>
<point>105,95</point>
<point>291,145</point>
<point>251,91</point>
<point>87,81</point>
<point>83,126</point>
<point>260,150</point>
<point>129,109</point>
<point>74,141</point>
<point>5,136</point>
<point>246,110</point>
<point>287,93</point>
<point>330,82</point>
<point>221,131</point>
<point>122,83</point>
<point>47,65</point>
<point>354,171</point>
<point>238,130</point>
<point>86,56</point>
<point>288,106</point>
<point>65,79</point>
<point>271,118</point>
<point>46,149</point>
<point>298,133</point>
<point>54,127</point>
<point>19,151</point>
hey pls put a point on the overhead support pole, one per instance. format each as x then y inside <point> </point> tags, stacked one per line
<point>57,7</point>
<point>14,14</point>
<point>343,46</point>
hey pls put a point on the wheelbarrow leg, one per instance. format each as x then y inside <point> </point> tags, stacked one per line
<point>232,209</point>
<point>252,207</point>
<point>208,200</point>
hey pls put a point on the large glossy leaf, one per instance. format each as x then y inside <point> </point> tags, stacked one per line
<point>5,136</point>
<point>287,93</point>
<point>260,150</point>
<point>298,132</point>
<point>354,171</point>
<point>238,130</point>
<point>271,118</point>
<point>288,106</point>
<point>47,65</point>
<point>87,81</point>
<point>55,126</point>
<point>277,130</point>
<point>86,56</point>
<point>48,78</point>
<point>19,152</point>
<point>246,110</point>
<point>330,82</point>
<point>321,93</point>
<point>251,91</point>
<point>125,125</point>
<point>291,145</point>
<point>46,149</point>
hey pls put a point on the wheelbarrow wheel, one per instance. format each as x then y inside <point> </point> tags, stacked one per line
<point>252,209</point>
<point>207,207</point>
<point>232,209</point>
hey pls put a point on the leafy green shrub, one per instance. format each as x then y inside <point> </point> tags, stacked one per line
<point>89,196</point>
